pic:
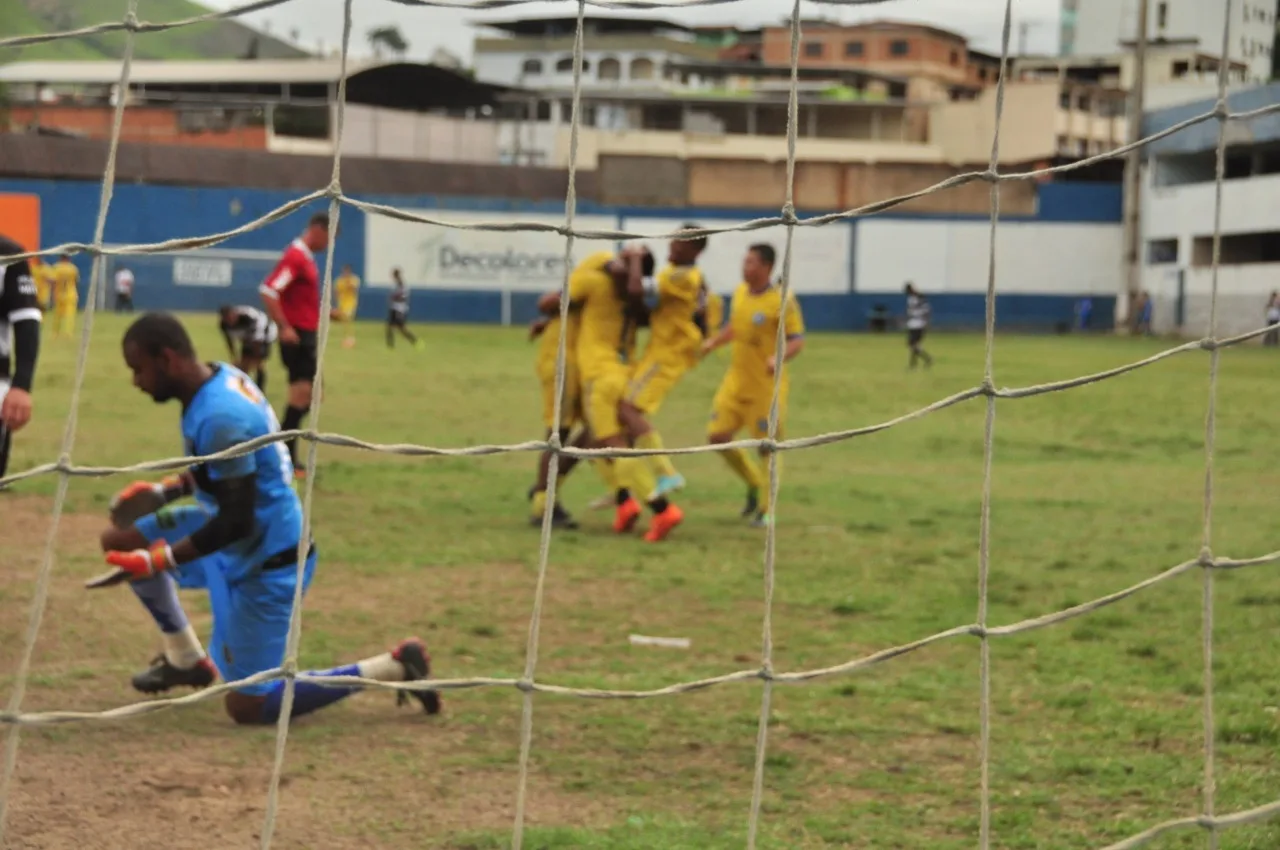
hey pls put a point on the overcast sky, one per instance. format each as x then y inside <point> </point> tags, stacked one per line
<point>320,21</point>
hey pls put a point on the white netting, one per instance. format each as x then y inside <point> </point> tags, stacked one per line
<point>526,682</point>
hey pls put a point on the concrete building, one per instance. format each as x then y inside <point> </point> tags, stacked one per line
<point>939,63</point>
<point>1178,216</point>
<point>1090,27</point>
<point>618,52</point>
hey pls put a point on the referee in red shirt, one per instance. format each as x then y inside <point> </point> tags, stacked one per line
<point>291,296</point>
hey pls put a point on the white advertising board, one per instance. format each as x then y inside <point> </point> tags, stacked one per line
<point>432,257</point>
<point>819,261</point>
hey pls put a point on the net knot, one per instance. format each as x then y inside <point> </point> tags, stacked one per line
<point>765,673</point>
<point>554,443</point>
<point>979,631</point>
<point>64,464</point>
<point>1206,559</point>
<point>989,176</point>
<point>768,446</point>
<point>1210,344</point>
<point>788,216</point>
<point>525,686</point>
<point>1221,109</point>
<point>334,190</point>
<point>131,21</point>
<point>988,388</point>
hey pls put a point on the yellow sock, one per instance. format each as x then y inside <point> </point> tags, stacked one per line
<point>746,468</point>
<point>661,465</point>
<point>604,468</point>
<point>539,504</point>
<point>633,474</point>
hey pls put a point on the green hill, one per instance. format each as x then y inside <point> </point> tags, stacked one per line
<point>217,40</point>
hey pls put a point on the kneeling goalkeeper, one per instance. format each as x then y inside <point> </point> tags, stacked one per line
<point>238,541</point>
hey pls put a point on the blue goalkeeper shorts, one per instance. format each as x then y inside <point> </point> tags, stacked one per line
<point>250,611</point>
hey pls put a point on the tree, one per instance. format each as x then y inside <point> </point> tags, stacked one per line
<point>387,39</point>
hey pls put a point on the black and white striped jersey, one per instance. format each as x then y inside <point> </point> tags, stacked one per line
<point>399,300</point>
<point>17,301</point>
<point>251,325</point>
<point>917,312</point>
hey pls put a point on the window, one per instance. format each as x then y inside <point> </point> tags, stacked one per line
<point>642,69</point>
<point>955,57</point>
<point>813,49</point>
<point>1181,69</point>
<point>531,66</point>
<point>853,48</point>
<point>1162,16</point>
<point>564,65</point>
<point>899,47</point>
<point>1161,251</point>
<point>610,69</point>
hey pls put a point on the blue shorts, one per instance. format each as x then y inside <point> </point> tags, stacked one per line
<point>250,616</point>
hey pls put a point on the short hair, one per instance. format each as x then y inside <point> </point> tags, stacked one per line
<point>700,241</point>
<point>319,220</point>
<point>156,332</point>
<point>647,263</point>
<point>765,252</point>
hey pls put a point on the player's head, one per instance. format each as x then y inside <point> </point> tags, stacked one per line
<point>159,352</point>
<point>317,233</point>
<point>684,252</point>
<point>346,269</point>
<point>757,266</point>
<point>910,288</point>
<point>397,277</point>
<point>227,312</point>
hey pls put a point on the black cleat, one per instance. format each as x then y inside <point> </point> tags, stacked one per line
<point>560,519</point>
<point>752,506</point>
<point>162,676</point>
<point>412,653</point>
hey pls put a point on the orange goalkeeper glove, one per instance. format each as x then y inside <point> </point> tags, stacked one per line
<point>145,497</point>
<point>143,563</point>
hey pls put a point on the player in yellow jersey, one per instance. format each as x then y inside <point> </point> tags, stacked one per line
<point>42,273</point>
<point>66,296</point>
<point>609,291</point>
<point>746,393</point>
<point>676,322</point>
<point>347,294</point>
<point>546,329</point>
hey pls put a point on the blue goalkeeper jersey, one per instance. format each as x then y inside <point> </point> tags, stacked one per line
<point>230,409</point>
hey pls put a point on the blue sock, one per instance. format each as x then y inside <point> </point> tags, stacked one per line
<point>309,696</point>
<point>159,594</point>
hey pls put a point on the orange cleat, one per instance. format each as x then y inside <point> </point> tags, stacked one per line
<point>663,524</point>
<point>627,514</point>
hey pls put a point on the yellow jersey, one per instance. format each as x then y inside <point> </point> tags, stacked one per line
<point>712,310</point>
<point>549,342</point>
<point>43,276</point>
<point>754,317</point>
<point>66,282</point>
<point>347,287</point>
<point>673,333</point>
<point>606,335</point>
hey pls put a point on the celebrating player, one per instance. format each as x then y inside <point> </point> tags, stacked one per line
<point>746,393</point>
<point>66,296</point>
<point>676,324</point>
<point>548,329</point>
<point>398,312</point>
<point>255,333</point>
<point>291,296</point>
<point>347,288</point>
<point>19,323</point>
<point>610,293</point>
<point>238,541</point>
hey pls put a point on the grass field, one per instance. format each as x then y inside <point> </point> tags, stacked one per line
<point>1097,725</point>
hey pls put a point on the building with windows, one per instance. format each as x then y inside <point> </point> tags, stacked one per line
<point>618,52</point>
<point>1100,27</point>
<point>939,63</point>
<point>1177,216</point>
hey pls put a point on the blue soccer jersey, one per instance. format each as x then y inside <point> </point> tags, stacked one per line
<point>230,409</point>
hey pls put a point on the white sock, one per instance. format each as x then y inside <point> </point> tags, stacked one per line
<point>183,648</point>
<point>382,668</point>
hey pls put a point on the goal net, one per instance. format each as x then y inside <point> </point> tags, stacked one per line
<point>163,265</point>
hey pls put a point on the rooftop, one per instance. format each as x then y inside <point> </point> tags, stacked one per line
<point>599,24</point>
<point>1203,137</point>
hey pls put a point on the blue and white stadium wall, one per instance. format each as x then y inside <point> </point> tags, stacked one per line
<point>1046,263</point>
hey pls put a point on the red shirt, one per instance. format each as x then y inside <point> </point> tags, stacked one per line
<point>295,282</point>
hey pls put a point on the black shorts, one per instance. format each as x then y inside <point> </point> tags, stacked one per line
<point>255,350</point>
<point>395,320</point>
<point>300,359</point>
<point>914,336</point>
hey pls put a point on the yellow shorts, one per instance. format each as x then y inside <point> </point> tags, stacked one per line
<point>346,311</point>
<point>570,401</point>
<point>601,394</point>
<point>732,412</point>
<point>652,381</point>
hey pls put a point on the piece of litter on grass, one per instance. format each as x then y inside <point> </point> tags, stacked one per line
<point>673,643</point>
